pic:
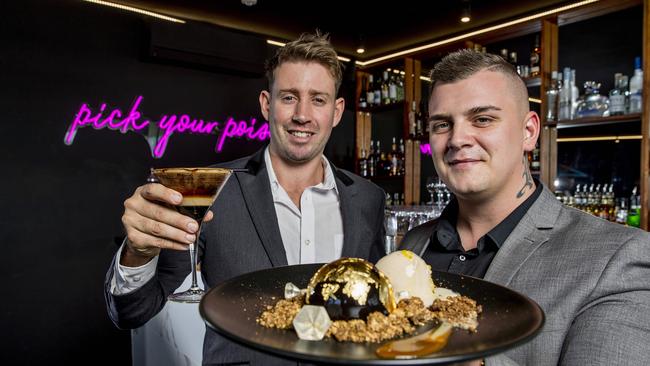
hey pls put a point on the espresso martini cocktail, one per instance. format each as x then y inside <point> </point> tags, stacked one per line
<point>199,187</point>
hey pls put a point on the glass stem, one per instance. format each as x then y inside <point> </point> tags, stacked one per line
<point>194,260</point>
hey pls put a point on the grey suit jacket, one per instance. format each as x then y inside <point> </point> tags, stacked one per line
<point>243,237</point>
<point>591,277</point>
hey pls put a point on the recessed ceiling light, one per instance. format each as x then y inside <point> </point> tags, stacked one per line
<point>361,50</point>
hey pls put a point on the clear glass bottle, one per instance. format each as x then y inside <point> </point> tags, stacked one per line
<point>592,104</point>
<point>552,99</point>
<point>617,97</point>
<point>636,87</point>
<point>370,92</point>
<point>363,102</point>
<point>385,97</point>
<point>565,96</point>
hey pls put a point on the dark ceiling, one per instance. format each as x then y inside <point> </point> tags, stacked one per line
<point>394,26</point>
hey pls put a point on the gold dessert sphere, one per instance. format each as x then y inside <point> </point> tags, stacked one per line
<point>350,283</point>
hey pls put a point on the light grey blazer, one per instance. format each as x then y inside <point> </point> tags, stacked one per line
<point>245,237</point>
<point>591,277</point>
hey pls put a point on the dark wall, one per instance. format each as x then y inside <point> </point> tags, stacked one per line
<point>62,204</point>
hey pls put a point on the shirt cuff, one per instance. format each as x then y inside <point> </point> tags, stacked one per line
<point>128,279</point>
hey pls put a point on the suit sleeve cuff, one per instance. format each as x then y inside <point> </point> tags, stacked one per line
<point>128,279</point>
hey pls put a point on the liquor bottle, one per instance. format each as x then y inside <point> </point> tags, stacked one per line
<point>633,215</point>
<point>636,87</point>
<point>621,210</point>
<point>565,96</point>
<point>577,198</point>
<point>535,163</point>
<point>379,171</point>
<point>392,89</point>
<point>394,158</point>
<point>617,97</point>
<point>609,203</point>
<point>575,93</point>
<point>363,103</point>
<point>372,163</point>
<point>370,93</point>
<point>385,98</point>
<point>412,122</point>
<point>626,93</point>
<point>535,58</point>
<point>396,200</point>
<point>400,87</point>
<point>402,158</point>
<point>377,91</point>
<point>419,121</point>
<point>363,164</point>
<point>382,171</point>
<point>552,99</point>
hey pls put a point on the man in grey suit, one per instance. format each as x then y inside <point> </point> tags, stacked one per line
<point>591,277</point>
<point>291,206</point>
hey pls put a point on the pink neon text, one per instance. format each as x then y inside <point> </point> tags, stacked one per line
<point>171,124</point>
<point>85,117</point>
<point>425,149</point>
<point>240,129</point>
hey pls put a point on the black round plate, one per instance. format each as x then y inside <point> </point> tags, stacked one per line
<point>508,319</point>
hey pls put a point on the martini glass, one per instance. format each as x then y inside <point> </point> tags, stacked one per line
<point>199,187</point>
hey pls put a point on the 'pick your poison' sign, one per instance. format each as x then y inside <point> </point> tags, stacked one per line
<point>158,132</point>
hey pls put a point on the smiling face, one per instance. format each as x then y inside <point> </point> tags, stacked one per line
<point>479,131</point>
<point>302,109</point>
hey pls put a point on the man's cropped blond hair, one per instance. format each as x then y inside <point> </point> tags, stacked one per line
<point>310,48</point>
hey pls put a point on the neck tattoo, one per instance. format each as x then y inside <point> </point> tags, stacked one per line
<point>528,179</point>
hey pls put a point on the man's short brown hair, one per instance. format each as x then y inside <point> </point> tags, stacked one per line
<point>310,48</point>
<point>462,64</point>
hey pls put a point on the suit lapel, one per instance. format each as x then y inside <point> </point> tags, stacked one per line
<point>532,231</point>
<point>349,214</point>
<point>256,190</point>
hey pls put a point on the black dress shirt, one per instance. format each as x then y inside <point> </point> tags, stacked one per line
<point>445,252</point>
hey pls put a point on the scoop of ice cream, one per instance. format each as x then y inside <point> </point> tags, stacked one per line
<point>409,275</point>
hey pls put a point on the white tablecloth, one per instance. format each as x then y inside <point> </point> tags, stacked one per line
<point>173,337</point>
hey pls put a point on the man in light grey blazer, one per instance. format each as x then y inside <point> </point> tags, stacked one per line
<point>290,206</point>
<point>591,277</point>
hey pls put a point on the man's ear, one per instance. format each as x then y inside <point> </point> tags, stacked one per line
<point>339,107</point>
<point>265,104</point>
<point>531,131</point>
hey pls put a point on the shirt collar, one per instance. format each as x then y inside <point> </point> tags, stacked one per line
<point>328,182</point>
<point>446,229</point>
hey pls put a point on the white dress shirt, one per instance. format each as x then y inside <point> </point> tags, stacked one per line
<point>311,234</point>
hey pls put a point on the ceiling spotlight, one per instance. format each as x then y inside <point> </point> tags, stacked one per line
<point>249,2</point>
<point>361,48</point>
<point>465,13</point>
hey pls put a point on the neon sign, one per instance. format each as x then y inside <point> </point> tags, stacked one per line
<point>425,149</point>
<point>158,134</point>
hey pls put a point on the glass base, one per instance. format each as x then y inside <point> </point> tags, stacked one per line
<point>193,295</point>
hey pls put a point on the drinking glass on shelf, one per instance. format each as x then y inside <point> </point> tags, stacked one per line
<point>199,187</point>
<point>390,225</point>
